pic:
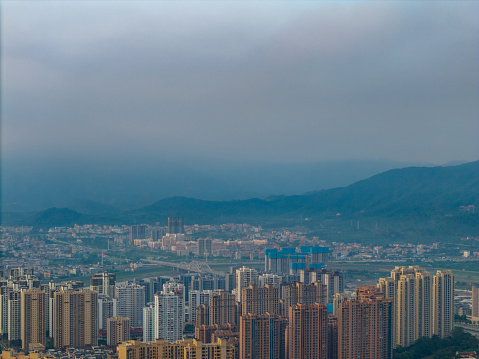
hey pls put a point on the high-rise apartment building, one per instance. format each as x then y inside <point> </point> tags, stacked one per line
<point>169,316</point>
<point>107,308</point>
<point>443,303</point>
<point>333,280</point>
<point>406,311</point>
<point>364,326</point>
<point>4,291</point>
<point>307,294</point>
<point>307,332</point>
<point>338,299</point>
<point>149,323</point>
<point>288,261</point>
<point>410,288</point>
<point>131,300</point>
<point>118,330</point>
<point>245,277</point>
<point>260,301</point>
<point>270,278</point>
<point>34,324</point>
<point>197,298</point>
<point>137,231</point>
<point>209,333</point>
<point>423,301</point>
<point>475,302</point>
<point>262,336</point>
<point>204,247</point>
<point>14,317</point>
<point>222,309</point>
<point>103,283</point>
<point>75,318</point>
<point>202,315</point>
<point>176,225</point>
<point>333,340</point>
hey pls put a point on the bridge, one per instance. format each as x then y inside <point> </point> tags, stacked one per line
<point>194,266</point>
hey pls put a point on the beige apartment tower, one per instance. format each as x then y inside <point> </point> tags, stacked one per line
<point>307,294</point>
<point>260,300</point>
<point>118,330</point>
<point>75,318</point>
<point>307,332</point>
<point>365,326</point>
<point>34,323</point>
<point>406,311</point>
<point>262,336</point>
<point>222,309</point>
<point>423,301</point>
<point>443,303</point>
<point>475,302</point>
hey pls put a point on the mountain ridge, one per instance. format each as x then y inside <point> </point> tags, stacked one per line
<point>411,192</point>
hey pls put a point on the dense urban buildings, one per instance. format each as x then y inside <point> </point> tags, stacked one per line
<point>309,312</point>
<point>181,349</point>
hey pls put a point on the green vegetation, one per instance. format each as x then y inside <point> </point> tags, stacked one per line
<point>461,319</point>
<point>437,348</point>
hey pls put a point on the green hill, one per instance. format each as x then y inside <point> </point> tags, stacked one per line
<point>417,194</point>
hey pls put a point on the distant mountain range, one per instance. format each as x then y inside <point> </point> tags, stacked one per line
<point>418,194</point>
<point>34,184</point>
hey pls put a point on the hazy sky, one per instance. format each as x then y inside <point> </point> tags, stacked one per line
<point>264,80</point>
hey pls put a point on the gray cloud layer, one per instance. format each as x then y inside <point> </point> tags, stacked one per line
<point>267,80</point>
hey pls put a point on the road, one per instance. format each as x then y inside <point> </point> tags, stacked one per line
<point>197,267</point>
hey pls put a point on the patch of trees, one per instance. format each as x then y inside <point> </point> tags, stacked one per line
<point>438,348</point>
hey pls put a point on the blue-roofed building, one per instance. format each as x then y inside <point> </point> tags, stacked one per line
<point>278,261</point>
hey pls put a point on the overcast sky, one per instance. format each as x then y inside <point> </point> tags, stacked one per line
<point>255,80</point>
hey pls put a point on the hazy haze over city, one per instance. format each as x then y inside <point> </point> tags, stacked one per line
<point>91,87</point>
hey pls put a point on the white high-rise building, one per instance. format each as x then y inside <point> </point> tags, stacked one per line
<point>107,308</point>
<point>245,277</point>
<point>169,316</point>
<point>14,316</point>
<point>131,300</point>
<point>149,324</point>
